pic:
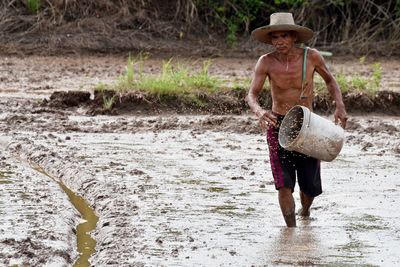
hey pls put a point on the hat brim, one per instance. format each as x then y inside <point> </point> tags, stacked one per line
<point>261,34</point>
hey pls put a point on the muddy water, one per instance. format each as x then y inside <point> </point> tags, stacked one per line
<point>86,245</point>
<point>203,198</point>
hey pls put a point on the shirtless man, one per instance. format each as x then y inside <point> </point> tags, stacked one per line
<point>283,68</point>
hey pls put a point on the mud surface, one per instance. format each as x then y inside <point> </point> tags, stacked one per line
<point>37,220</point>
<point>183,190</point>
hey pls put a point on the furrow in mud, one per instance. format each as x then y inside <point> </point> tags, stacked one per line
<point>86,245</point>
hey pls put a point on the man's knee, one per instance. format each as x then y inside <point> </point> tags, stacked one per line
<point>306,195</point>
<point>285,190</point>
<point>286,197</point>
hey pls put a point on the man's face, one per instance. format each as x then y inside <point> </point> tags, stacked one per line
<point>283,41</point>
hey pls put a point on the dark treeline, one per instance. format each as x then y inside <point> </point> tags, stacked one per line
<point>345,26</point>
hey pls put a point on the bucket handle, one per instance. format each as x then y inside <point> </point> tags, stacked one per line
<point>309,119</point>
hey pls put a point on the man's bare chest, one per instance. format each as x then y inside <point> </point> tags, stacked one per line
<point>286,76</point>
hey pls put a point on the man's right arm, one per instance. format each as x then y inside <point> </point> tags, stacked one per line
<point>260,75</point>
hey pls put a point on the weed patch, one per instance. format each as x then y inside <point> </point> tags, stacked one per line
<point>33,6</point>
<point>108,102</point>
<point>172,82</point>
<point>355,83</point>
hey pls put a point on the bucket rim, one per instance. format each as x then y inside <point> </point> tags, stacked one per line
<point>289,144</point>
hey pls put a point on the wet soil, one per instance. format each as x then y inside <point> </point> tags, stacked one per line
<point>37,220</point>
<point>178,190</point>
<point>205,197</point>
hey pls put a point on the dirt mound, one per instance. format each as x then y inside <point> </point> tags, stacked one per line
<point>221,102</point>
<point>385,102</point>
<point>68,98</point>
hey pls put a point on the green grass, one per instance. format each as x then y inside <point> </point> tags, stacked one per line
<point>101,86</point>
<point>343,82</point>
<point>376,76</point>
<point>33,5</point>
<point>359,82</point>
<point>240,83</point>
<point>108,102</point>
<point>173,80</point>
<point>355,83</point>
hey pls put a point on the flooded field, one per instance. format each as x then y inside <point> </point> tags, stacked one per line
<point>206,198</point>
<point>185,191</point>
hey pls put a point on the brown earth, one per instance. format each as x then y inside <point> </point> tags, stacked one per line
<point>181,190</point>
<point>223,102</point>
<point>59,128</point>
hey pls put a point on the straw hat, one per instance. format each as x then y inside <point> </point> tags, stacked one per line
<point>282,22</point>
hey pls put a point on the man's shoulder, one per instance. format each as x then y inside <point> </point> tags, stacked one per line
<point>267,57</point>
<point>266,62</point>
<point>314,54</point>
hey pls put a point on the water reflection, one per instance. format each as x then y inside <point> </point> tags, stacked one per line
<point>295,246</point>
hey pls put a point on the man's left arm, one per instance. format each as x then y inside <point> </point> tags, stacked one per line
<point>332,86</point>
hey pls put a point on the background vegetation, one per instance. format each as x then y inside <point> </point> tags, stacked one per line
<point>342,26</point>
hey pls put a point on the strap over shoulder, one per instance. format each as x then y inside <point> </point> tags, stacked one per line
<point>303,76</point>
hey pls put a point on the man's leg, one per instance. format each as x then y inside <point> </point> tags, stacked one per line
<point>309,177</point>
<point>286,202</point>
<point>306,202</point>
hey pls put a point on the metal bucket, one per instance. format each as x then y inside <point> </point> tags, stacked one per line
<point>305,132</point>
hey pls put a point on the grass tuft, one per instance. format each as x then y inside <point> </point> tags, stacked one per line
<point>355,83</point>
<point>108,102</point>
<point>33,5</point>
<point>172,81</point>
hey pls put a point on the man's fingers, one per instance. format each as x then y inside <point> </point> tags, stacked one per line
<point>263,125</point>
<point>270,118</point>
<point>266,119</point>
<point>271,121</point>
<point>343,122</point>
